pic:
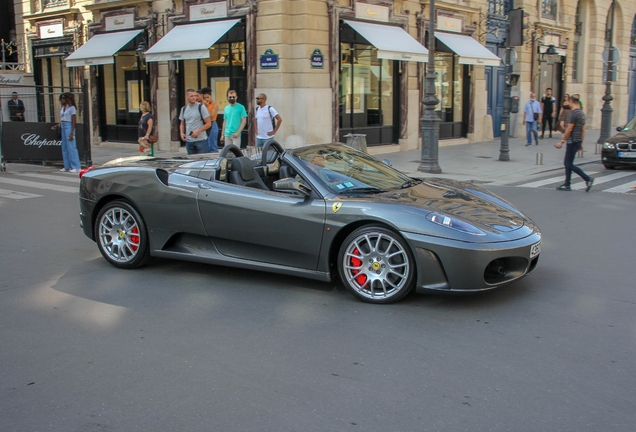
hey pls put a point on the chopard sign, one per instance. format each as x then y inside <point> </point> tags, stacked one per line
<point>207,11</point>
<point>4,79</point>
<point>31,139</point>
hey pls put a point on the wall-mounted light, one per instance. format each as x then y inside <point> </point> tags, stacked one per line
<point>550,55</point>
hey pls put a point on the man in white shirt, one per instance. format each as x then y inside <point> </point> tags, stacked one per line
<point>267,121</point>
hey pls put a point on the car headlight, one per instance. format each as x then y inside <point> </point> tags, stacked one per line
<point>609,146</point>
<point>453,223</point>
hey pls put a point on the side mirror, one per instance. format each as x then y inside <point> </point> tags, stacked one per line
<point>291,185</point>
<point>619,128</point>
<point>386,162</point>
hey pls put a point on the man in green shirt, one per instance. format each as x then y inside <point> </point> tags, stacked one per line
<point>234,120</point>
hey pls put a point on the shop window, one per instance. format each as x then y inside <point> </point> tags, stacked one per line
<point>366,87</point>
<point>448,87</point>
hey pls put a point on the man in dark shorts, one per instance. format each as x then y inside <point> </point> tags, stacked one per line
<point>573,137</point>
<point>549,111</point>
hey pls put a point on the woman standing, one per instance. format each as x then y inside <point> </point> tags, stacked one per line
<point>145,128</point>
<point>68,115</point>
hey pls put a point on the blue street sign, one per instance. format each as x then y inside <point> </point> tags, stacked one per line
<point>269,60</point>
<point>317,59</point>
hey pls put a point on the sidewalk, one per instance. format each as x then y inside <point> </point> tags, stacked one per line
<point>477,162</point>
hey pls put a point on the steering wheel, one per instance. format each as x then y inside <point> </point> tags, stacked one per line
<point>230,148</point>
<point>271,143</point>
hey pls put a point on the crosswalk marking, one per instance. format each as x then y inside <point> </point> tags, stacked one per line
<point>547,181</point>
<point>621,188</point>
<point>61,177</point>
<point>600,180</point>
<point>37,185</point>
<point>5,193</point>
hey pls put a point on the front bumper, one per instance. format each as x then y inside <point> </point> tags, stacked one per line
<point>610,157</point>
<point>450,265</point>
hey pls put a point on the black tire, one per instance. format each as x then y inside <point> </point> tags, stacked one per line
<point>376,265</point>
<point>609,167</point>
<point>121,235</point>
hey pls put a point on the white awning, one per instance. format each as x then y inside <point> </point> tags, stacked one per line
<point>190,41</point>
<point>468,49</point>
<point>100,49</point>
<point>393,43</point>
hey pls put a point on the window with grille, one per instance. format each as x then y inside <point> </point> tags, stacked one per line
<point>632,40</point>
<point>549,9</point>
<point>578,24</point>
<point>575,63</point>
<point>498,7</point>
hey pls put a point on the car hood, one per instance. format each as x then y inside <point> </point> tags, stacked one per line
<point>623,137</point>
<point>497,218</point>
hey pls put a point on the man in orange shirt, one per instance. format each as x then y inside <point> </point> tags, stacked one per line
<point>213,109</point>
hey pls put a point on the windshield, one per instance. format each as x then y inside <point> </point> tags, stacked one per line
<point>631,125</point>
<point>348,171</point>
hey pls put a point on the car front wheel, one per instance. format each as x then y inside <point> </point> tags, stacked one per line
<point>121,235</point>
<point>376,265</point>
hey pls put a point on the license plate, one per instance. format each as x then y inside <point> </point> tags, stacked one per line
<point>535,250</point>
<point>627,154</point>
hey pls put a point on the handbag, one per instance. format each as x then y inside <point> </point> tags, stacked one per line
<point>535,115</point>
<point>152,138</point>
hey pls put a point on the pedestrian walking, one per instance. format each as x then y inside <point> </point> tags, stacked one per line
<point>548,103</point>
<point>145,128</point>
<point>195,121</point>
<point>234,120</point>
<point>16,108</point>
<point>564,113</point>
<point>267,121</point>
<point>573,137</point>
<point>532,117</point>
<point>68,115</point>
<point>213,109</point>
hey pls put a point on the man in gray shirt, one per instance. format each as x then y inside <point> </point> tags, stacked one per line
<point>195,121</point>
<point>574,136</point>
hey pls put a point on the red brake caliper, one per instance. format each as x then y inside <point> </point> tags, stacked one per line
<point>361,278</point>
<point>134,238</point>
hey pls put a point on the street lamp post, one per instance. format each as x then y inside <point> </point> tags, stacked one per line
<point>430,121</point>
<point>504,148</point>
<point>606,111</point>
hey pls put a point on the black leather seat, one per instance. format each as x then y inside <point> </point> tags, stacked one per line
<point>243,173</point>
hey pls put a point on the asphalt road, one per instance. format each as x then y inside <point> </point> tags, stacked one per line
<point>187,347</point>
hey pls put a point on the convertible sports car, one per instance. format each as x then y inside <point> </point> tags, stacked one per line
<point>319,212</point>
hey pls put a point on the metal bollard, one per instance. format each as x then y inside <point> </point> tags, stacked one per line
<point>579,153</point>
<point>539,158</point>
<point>599,147</point>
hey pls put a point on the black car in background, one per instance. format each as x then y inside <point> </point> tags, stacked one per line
<point>620,150</point>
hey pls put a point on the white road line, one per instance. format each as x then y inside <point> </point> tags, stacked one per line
<point>621,188</point>
<point>547,181</point>
<point>37,185</point>
<point>600,180</point>
<point>60,177</point>
<point>5,193</point>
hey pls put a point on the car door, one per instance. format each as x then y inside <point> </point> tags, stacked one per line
<point>263,226</point>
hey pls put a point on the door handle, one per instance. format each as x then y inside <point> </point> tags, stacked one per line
<point>204,186</point>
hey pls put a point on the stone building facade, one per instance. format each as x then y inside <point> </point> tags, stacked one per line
<point>324,64</point>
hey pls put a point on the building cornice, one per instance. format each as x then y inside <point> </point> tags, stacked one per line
<point>52,14</point>
<point>440,5</point>
<point>112,4</point>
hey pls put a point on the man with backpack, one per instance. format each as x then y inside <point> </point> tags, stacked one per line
<point>195,121</point>
<point>267,121</point>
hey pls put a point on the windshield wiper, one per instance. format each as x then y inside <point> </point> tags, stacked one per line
<point>410,182</point>
<point>369,189</point>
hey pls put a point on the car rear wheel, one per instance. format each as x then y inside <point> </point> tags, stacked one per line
<point>121,235</point>
<point>376,265</point>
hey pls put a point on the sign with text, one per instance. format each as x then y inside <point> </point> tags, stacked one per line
<point>120,22</point>
<point>317,59</point>
<point>269,60</point>
<point>24,141</point>
<point>372,12</point>
<point>208,11</point>
<point>51,31</point>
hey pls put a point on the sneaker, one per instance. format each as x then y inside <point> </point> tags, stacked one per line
<point>541,137</point>
<point>73,170</point>
<point>536,143</point>
<point>63,170</point>
<point>589,184</point>
<point>528,144</point>
<point>564,188</point>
